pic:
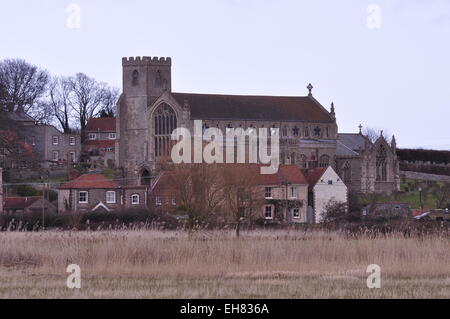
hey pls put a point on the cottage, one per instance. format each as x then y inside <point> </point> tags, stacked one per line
<point>28,205</point>
<point>94,192</point>
<point>99,142</point>
<point>325,186</point>
<point>281,196</point>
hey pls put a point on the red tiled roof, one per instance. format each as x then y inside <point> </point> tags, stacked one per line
<point>90,181</point>
<point>313,175</point>
<point>291,174</point>
<point>90,144</point>
<point>101,124</point>
<point>19,202</point>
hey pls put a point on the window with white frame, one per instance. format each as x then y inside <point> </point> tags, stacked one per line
<point>72,140</point>
<point>296,213</point>
<point>73,157</point>
<point>268,214</point>
<point>293,192</point>
<point>112,136</point>
<point>55,156</point>
<point>83,197</point>
<point>92,136</point>
<point>110,197</point>
<point>174,202</point>
<point>135,199</point>
<point>55,140</point>
<point>268,192</point>
<point>158,201</point>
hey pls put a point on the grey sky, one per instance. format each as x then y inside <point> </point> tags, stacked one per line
<point>395,77</point>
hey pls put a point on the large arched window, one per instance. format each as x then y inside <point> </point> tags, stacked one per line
<point>381,164</point>
<point>324,161</point>
<point>165,122</point>
<point>347,173</point>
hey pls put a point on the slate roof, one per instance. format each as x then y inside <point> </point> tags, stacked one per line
<point>352,141</point>
<point>101,124</point>
<point>248,107</point>
<point>20,116</point>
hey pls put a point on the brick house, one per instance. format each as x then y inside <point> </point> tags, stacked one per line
<point>325,186</point>
<point>94,192</point>
<point>287,186</point>
<point>99,142</point>
<point>28,205</point>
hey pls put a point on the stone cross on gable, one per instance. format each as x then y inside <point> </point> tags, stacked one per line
<point>310,87</point>
<point>360,128</point>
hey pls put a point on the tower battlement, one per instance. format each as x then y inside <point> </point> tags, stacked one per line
<point>146,60</point>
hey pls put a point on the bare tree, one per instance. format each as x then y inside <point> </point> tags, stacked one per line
<point>23,86</point>
<point>198,191</point>
<point>109,102</point>
<point>241,196</point>
<point>442,194</point>
<point>89,98</point>
<point>374,133</point>
<point>60,101</point>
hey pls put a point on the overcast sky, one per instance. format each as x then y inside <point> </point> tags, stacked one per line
<point>389,70</point>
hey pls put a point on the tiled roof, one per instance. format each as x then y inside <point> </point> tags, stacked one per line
<point>344,150</point>
<point>291,174</point>
<point>247,107</point>
<point>354,142</point>
<point>101,124</point>
<point>90,144</point>
<point>92,181</point>
<point>19,202</point>
<point>20,116</point>
<point>313,175</point>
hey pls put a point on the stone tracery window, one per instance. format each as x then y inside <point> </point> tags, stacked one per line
<point>324,161</point>
<point>165,122</point>
<point>381,164</point>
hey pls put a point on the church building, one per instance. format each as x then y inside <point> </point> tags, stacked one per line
<point>148,111</point>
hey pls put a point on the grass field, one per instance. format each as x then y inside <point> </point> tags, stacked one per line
<point>261,264</point>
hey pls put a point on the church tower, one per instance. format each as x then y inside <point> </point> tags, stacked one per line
<point>144,80</point>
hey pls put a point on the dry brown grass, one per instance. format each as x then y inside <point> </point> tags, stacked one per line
<point>271,264</point>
